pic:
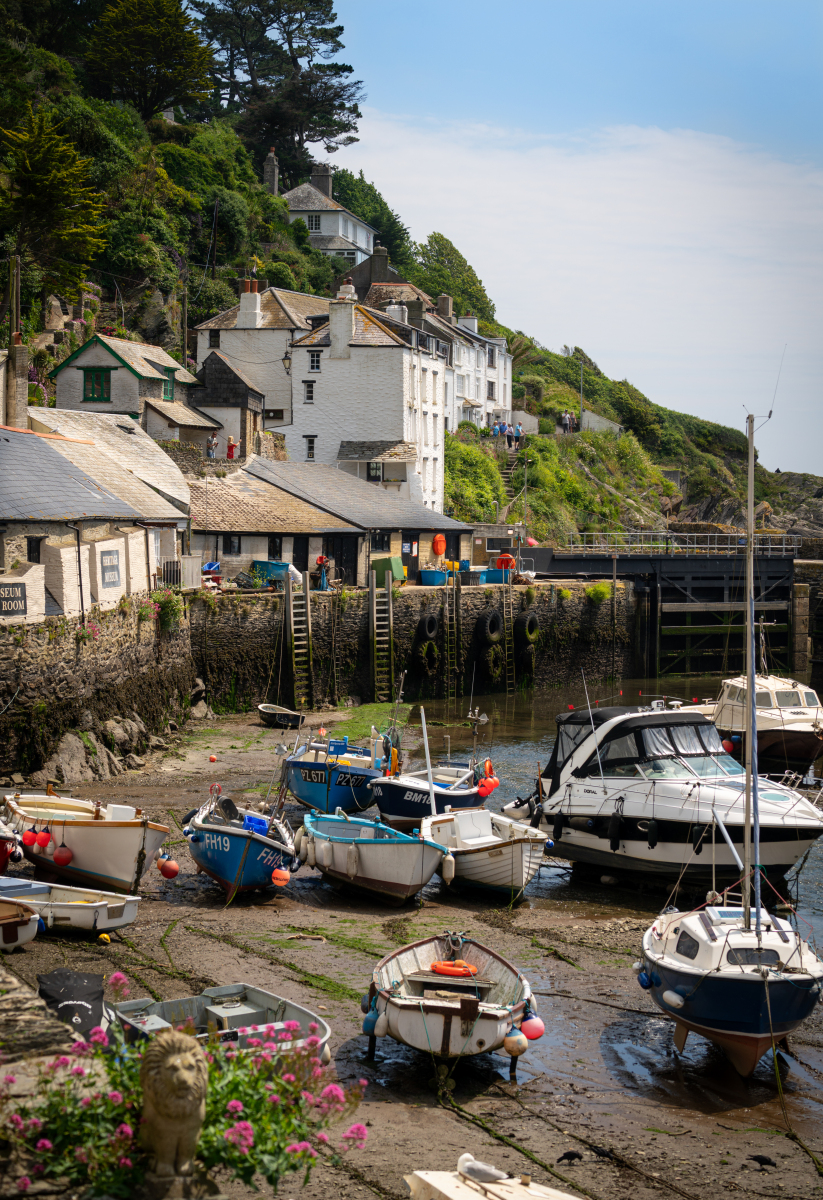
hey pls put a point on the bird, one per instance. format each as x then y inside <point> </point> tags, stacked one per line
<point>480,1172</point>
<point>571,1156</point>
<point>600,1152</point>
<point>763,1161</point>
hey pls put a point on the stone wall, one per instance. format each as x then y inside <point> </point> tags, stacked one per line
<point>54,678</point>
<point>191,461</point>
<point>239,650</point>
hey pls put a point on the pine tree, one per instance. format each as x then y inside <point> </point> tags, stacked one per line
<point>441,268</point>
<point>49,214</point>
<point>149,53</point>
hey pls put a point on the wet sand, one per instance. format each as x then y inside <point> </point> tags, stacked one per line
<point>604,1081</point>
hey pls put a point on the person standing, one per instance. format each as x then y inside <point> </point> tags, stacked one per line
<point>564,421</point>
<point>211,445</point>
<point>495,431</point>
<point>518,436</point>
<point>509,435</point>
<point>231,447</point>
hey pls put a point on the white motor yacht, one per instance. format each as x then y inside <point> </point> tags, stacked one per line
<point>789,721</point>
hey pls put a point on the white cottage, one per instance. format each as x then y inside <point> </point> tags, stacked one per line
<point>333,229</point>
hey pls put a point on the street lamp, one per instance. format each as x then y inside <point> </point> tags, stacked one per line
<point>286,360</point>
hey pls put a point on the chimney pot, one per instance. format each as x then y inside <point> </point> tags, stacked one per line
<point>321,178</point>
<point>398,311</point>
<point>254,286</point>
<point>246,284</point>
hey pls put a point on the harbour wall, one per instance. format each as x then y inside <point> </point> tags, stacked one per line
<point>241,649</point>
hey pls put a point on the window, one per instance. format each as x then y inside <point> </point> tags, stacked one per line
<point>763,699</point>
<point>274,414</point>
<point>168,383</point>
<point>492,357</point>
<point>750,956</point>
<point>498,543</point>
<point>214,339</point>
<point>97,383</point>
<point>811,699</point>
<point>380,541</point>
<point>313,222</point>
<point>787,699</point>
<point>687,945</point>
<point>33,549</point>
<point>231,543</point>
<point>275,548</point>
<point>489,389</point>
<point>460,383</point>
<point>308,391</point>
<point>314,360</point>
<point>345,228</point>
<point>374,472</point>
<point>425,429</point>
<point>310,448</point>
<point>686,740</point>
<point>446,421</point>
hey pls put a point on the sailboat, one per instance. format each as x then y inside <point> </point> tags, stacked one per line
<point>737,975</point>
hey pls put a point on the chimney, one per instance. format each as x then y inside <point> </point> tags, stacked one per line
<point>398,311</point>
<point>250,316</point>
<point>341,328</point>
<point>444,308</point>
<point>468,322</point>
<point>347,291</point>
<point>417,311</point>
<point>379,265</point>
<point>271,173</point>
<point>321,178</point>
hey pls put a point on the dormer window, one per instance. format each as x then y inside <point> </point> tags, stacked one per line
<point>313,222</point>
<point>168,384</point>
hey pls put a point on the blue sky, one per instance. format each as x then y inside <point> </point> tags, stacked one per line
<point>644,180</point>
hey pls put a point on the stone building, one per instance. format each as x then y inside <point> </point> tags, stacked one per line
<point>113,375</point>
<point>228,397</point>
<point>333,229</point>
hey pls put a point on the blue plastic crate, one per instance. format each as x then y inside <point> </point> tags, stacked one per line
<point>255,824</point>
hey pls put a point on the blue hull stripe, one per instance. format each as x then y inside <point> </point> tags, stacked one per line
<point>730,1005</point>
<point>347,789</point>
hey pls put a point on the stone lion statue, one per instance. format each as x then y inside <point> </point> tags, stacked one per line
<point>174,1077</point>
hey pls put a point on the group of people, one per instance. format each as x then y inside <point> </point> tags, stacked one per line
<point>211,447</point>
<point>513,434</point>
<point>569,422</point>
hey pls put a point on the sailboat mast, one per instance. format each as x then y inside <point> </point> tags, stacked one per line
<point>750,726</point>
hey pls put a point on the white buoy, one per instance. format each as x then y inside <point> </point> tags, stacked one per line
<point>382,1026</point>
<point>352,862</point>
<point>447,868</point>
<point>298,840</point>
<point>311,855</point>
<point>325,854</point>
<point>673,999</point>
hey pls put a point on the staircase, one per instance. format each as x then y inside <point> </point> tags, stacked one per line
<point>301,642</point>
<point>108,316</point>
<point>383,670</point>
<point>507,473</point>
<point>508,639</point>
<point>450,642</point>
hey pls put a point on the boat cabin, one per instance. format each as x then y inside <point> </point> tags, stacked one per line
<point>771,692</point>
<point>714,938</point>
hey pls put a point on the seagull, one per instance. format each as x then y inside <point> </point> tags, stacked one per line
<point>480,1172</point>
<point>570,1156</point>
<point>763,1161</point>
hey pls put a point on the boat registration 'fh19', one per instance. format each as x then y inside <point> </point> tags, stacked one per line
<point>654,791</point>
<point>239,848</point>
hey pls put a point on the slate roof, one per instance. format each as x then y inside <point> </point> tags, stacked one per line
<point>307,198</point>
<point>122,439</point>
<point>181,414</point>
<point>332,241</point>
<point>146,361</point>
<point>395,293</point>
<point>243,504</point>
<point>377,452</point>
<point>227,360</point>
<point>38,483</point>
<point>369,330</point>
<point>279,309</point>
<point>116,479</point>
<point>349,498</point>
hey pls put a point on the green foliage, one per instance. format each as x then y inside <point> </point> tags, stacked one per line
<point>83,125</point>
<point>564,594</point>
<point>170,608</point>
<point>148,53</point>
<point>534,385</point>
<point>596,593</point>
<point>279,275</point>
<point>365,201</point>
<point>213,297</point>
<point>441,268</point>
<point>472,480</point>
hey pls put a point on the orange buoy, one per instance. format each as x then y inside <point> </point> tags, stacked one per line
<point>459,968</point>
<point>506,562</point>
<point>279,877</point>
<point>212,758</point>
<point>439,544</point>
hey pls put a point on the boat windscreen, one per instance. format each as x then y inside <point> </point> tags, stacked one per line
<point>711,739</point>
<point>569,738</point>
<point>686,739</point>
<point>657,743</point>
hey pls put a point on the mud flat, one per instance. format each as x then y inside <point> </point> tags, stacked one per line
<point>604,1081</point>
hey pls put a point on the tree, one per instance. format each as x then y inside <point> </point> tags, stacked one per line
<point>364,200</point>
<point>60,26</point>
<point>149,53</point>
<point>49,214</point>
<point>440,267</point>
<point>522,351</point>
<point>240,31</point>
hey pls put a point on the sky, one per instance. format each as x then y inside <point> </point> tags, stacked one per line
<point>644,180</point>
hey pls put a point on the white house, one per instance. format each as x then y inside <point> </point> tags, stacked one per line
<point>333,230</point>
<point>113,375</point>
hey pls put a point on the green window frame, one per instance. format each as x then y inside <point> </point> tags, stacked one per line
<point>97,383</point>
<point>168,384</point>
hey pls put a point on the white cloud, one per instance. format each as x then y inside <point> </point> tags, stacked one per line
<point>681,261</point>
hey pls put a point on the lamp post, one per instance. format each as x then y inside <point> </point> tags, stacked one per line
<point>286,361</point>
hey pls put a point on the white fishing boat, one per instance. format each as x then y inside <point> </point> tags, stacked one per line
<point>490,851</point>
<point>449,997</point>
<point>18,924</point>
<point>368,855</point>
<point>107,847</point>
<point>70,907</point>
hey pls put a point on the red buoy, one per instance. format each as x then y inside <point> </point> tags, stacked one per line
<point>728,746</point>
<point>169,868</point>
<point>62,856</point>
<point>43,838</point>
<point>29,837</point>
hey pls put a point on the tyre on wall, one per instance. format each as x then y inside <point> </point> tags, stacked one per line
<point>494,663</point>
<point>428,627</point>
<point>427,657</point>
<point>527,627</point>
<point>490,626</point>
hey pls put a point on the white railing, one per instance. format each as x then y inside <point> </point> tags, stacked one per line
<point>662,542</point>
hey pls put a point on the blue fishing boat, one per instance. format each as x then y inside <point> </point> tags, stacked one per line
<point>327,775</point>
<point>370,856</point>
<point>403,800</point>
<point>237,847</point>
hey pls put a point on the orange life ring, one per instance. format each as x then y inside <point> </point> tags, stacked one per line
<point>461,969</point>
<point>439,544</point>
<point>506,562</point>
<point>488,769</point>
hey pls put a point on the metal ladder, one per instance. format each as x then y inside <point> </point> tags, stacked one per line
<point>383,666</point>
<point>450,641</point>
<point>301,648</point>
<point>508,638</point>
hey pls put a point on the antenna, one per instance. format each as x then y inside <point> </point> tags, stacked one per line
<point>779,369</point>
<point>591,718</point>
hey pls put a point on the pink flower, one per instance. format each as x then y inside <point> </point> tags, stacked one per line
<point>34,1124</point>
<point>274,1099</point>
<point>38,1169</point>
<point>300,1148</point>
<point>333,1094</point>
<point>254,1042</point>
<point>241,1135</point>
<point>363,1082</point>
<point>85,1102</point>
<point>98,1036</point>
<point>9,1079</point>
<point>324,1138</point>
<point>23,1183</point>
<point>124,1131</point>
<point>78,1071</point>
<point>356,1135</point>
<point>294,1026</point>
<point>289,1079</point>
<point>308,1097</point>
<point>124,1162</point>
<point>115,1097</point>
<point>234,1106</point>
<point>80,1154</point>
<point>311,1042</point>
<point>44,1144</point>
<point>81,1049</point>
<point>16,1121</point>
<point>313,1028</point>
<point>119,985</point>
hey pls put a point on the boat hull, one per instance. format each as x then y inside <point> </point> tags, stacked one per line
<point>279,718</point>
<point>238,859</point>
<point>780,749</point>
<point>325,787</point>
<point>73,908</point>
<point>403,806</point>
<point>371,857</point>
<point>17,927</point>
<point>433,1028</point>
<point>506,869</point>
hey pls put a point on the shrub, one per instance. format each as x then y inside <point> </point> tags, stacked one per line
<point>564,594</point>
<point>534,385</point>
<point>280,276</point>
<point>169,612</point>
<point>596,593</point>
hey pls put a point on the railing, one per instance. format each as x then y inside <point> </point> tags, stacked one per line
<point>654,542</point>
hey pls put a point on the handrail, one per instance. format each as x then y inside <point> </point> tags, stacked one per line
<point>664,542</point>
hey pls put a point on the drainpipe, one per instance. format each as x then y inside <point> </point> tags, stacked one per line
<point>76,529</point>
<point>145,529</point>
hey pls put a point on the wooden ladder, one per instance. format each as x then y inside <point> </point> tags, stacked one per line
<point>299,610</point>
<point>336,665</point>
<point>450,640</point>
<point>380,611</point>
<point>508,638</point>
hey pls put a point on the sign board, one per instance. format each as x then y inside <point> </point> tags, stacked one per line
<point>406,548</point>
<point>110,568</point>
<point>12,599</point>
<point>414,549</point>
